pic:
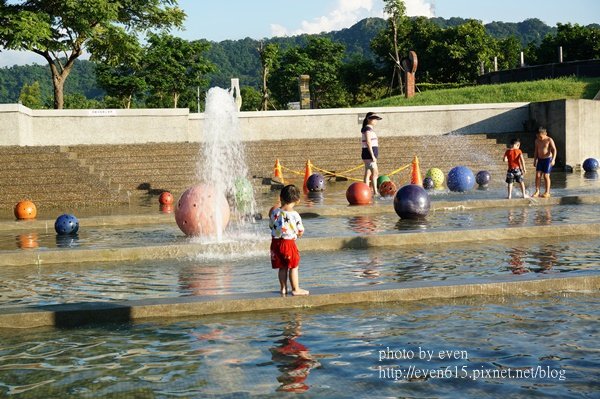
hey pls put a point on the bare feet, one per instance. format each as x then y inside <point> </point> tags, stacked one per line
<point>283,291</point>
<point>536,194</point>
<point>300,291</point>
<point>546,195</point>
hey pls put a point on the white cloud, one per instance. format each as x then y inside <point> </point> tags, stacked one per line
<point>346,13</point>
<point>416,8</point>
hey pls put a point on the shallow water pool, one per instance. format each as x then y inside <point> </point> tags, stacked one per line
<point>250,271</point>
<point>320,226</point>
<point>482,347</point>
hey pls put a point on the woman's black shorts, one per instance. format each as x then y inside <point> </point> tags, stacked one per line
<point>367,155</point>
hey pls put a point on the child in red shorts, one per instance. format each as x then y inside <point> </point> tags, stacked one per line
<point>286,225</point>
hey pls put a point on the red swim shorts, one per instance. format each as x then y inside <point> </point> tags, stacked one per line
<point>284,254</point>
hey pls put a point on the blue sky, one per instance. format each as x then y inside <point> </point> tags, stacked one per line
<point>236,19</point>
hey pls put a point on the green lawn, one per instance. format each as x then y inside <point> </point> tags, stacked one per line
<point>539,90</point>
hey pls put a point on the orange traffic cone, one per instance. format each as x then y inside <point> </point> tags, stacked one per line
<point>307,173</point>
<point>415,176</point>
<point>277,171</point>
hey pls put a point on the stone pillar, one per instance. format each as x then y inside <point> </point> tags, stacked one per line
<point>236,93</point>
<point>304,89</point>
<point>409,65</point>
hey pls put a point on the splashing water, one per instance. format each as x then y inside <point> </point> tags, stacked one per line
<point>222,164</point>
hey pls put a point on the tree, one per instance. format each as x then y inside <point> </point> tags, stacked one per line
<point>174,66</point>
<point>31,95</point>
<point>459,53</point>
<point>269,60</point>
<point>509,50</point>
<point>119,69</point>
<point>362,80</point>
<point>397,20</point>
<point>60,31</point>
<point>322,60</point>
<point>578,43</point>
<point>421,36</point>
<point>252,98</point>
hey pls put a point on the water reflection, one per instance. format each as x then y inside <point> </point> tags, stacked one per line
<point>369,268</point>
<point>592,175</point>
<point>517,216</point>
<point>540,260</point>
<point>516,264</point>
<point>206,279</point>
<point>292,358</point>
<point>167,208</point>
<point>363,224</point>
<point>546,258</point>
<point>543,216</point>
<point>314,198</point>
<point>28,241</point>
<point>412,224</point>
<point>67,240</point>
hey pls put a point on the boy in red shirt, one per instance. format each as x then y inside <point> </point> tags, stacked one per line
<point>516,167</point>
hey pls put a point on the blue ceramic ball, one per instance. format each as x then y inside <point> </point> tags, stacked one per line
<point>315,183</point>
<point>66,224</point>
<point>590,165</point>
<point>412,202</point>
<point>483,177</point>
<point>460,178</point>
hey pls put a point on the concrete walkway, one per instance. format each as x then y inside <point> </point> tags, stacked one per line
<point>77,314</point>
<point>189,250</point>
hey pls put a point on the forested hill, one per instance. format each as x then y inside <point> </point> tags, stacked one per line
<point>239,58</point>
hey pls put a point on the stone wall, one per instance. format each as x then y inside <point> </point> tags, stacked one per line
<point>22,126</point>
<point>574,125</point>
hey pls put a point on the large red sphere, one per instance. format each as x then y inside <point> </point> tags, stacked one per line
<point>201,211</point>
<point>359,193</point>
<point>166,198</point>
<point>25,210</point>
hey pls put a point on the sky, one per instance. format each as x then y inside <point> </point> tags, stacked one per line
<point>236,19</point>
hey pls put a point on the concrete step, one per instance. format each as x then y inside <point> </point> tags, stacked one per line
<point>29,149</point>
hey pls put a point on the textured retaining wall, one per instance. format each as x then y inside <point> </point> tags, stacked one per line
<point>22,126</point>
<point>574,125</point>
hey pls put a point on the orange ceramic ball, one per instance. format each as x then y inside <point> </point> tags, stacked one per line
<point>359,193</point>
<point>25,210</point>
<point>166,198</point>
<point>387,189</point>
<point>201,211</point>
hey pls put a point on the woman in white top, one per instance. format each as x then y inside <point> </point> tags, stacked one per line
<point>370,149</point>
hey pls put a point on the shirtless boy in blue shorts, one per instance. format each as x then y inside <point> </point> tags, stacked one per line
<point>544,159</point>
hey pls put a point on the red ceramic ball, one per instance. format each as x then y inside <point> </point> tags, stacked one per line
<point>387,189</point>
<point>359,193</point>
<point>25,210</point>
<point>166,198</point>
<point>201,211</point>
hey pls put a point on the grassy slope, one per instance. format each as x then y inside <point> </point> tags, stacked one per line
<point>540,90</point>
